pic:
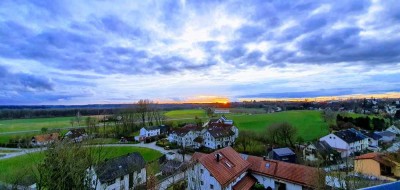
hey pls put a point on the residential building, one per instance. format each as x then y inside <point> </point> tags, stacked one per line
<point>221,111</point>
<point>387,136</point>
<point>44,139</point>
<point>222,169</point>
<point>215,134</point>
<point>394,130</point>
<point>377,164</point>
<point>151,131</point>
<point>273,174</point>
<point>125,172</point>
<point>76,135</point>
<point>347,141</point>
<point>226,169</point>
<point>320,151</point>
<point>373,140</point>
<point>283,154</point>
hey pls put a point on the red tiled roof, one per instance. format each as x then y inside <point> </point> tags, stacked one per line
<point>377,157</point>
<point>230,166</point>
<point>185,129</point>
<point>245,183</point>
<point>295,173</point>
<point>46,137</point>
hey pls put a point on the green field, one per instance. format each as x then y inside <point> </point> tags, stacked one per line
<point>185,114</point>
<point>22,166</point>
<point>309,124</point>
<point>35,124</point>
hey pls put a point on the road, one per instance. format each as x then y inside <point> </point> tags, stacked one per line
<point>22,151</point>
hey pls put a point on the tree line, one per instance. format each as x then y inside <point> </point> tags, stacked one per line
<point>366,122</point>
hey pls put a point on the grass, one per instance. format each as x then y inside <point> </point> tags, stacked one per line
<point>185,114</point>
<point>309,124</point>
<point>7,151</point>
<point>23,166</point>
<point>15,125</point>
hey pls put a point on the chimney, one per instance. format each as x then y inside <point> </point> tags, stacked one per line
<point>218,157</point>
<point>265,158</point>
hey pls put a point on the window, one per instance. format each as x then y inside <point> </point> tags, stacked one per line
<point>193,179</point>
<point>201,183</point>
<point>211,186</point>
<point>121,178</point>
<point>201,171</point>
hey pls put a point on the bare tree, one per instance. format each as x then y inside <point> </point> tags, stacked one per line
<point>245,139</point>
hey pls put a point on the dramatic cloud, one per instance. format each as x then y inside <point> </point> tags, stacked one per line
<point>69,52</point>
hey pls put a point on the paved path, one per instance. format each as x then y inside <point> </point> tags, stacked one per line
<point>147,145</point>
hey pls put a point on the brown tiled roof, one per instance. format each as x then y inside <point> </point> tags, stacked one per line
<point>245,183</point>
<point>377,157</point>
<point>294,173</point>
<point>46,137</point>
<point>185,129</point>
<point>230,166</point>
<point>218,132</point>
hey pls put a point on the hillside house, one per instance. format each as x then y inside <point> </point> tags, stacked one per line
<point>283,154</point>
<point>125,172</point>
<point>347,141</point>
<point>44,139</point>
<point>226,169</point>
<point>320,151</point>
<point>76,135</point>
<point>377,164</point>
<point>187,136</point>
<point>373,140</point>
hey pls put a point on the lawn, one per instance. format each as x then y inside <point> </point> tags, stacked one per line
<point>35,124</point>
<point>23,166</point>
<point>185,114</point>
<point>309,124</point>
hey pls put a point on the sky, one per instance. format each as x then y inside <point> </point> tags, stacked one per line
<point>88,52</point>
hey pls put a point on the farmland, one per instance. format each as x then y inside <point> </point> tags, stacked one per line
<point>35,124</point>
<point>21,167</point>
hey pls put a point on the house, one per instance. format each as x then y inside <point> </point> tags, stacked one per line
<point>151,131</point>
<point>226,169</point>
<point>283,154</point>
<point>373,140</point>
<point>76,135</point>
<point>187,136</point>
<point>215,134</point>
<point>322,152</point>
<point>123,172</point>
<point>44,139</point>
<point>377,164</point>
<point>387,136</point>
<point>273,174</point>
<point>221,111</point>
<point>394,130</point>
<point>347,141</point>
<point>222,169</point>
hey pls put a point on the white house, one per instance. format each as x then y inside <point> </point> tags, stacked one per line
<point>320,151</point>
<point>226,169</point>
<point>76,135</point>
<point>394,130</point>
<point>215,134</point>
<point>346,141</point>
<point>151,131</point>
<point>125,172</point>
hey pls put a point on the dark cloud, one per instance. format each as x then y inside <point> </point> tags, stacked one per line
<point>23,82</point>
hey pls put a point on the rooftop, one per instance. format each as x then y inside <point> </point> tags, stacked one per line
<point>283,151</point>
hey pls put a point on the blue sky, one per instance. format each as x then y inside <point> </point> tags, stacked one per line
<point>84,52</point>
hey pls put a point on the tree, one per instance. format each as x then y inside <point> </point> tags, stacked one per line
<point>65,166</point>
<point>44,130</point>
<point>142,108</point>
<point>209,112</point>
<point>287,132</point>
<point>245,139</point>
<point>91,124</point>
<point>78,118</point>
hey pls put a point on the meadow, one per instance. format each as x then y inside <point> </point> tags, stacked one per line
<point>309,124</point>
<point>22,167</point>
<point>185,114</point>
<point>36,124</point>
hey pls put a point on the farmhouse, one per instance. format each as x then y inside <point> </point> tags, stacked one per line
<point>187,136</point>
<point>41,140</point>
<point>387,136</point>
<point>378,165</point>
<point>227,169</point>
<point>76,135</point>
<point>125,172</point>
<point>347,141</point>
